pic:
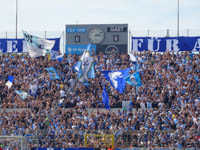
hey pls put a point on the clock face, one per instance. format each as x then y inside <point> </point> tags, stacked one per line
<point>96,36</point>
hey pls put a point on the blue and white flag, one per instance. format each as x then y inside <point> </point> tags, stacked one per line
<point>117,78</point>
<point>9,82</point>
<point>23,95</point>
<point>37,46</point>
<point>85,66</point>
<point>134,79</point>
<point>105,98</point>
<point>52,73</point>
<point>59,58</point>
<point>77,68</point>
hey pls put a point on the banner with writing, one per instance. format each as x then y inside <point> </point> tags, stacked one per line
<point>19,45</point>
<point>162,44</point>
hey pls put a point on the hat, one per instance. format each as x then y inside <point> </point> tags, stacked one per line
<point>62,86</point>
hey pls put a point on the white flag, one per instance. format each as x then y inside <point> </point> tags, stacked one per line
<point>132,57</point>
<point>22,94</point>
<point>86,66</point>
<point>34,51</point>
<point>37,46</point>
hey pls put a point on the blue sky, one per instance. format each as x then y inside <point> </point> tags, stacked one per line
<point>52,15</point>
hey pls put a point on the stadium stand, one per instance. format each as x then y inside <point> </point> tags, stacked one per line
<point>163,112</point>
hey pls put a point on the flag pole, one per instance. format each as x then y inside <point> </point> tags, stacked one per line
<point>178,19</point>
<point>16,17</point>
<point>129,41</point>
<point>62,36</point>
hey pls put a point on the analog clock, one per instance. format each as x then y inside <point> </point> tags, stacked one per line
<point>96,35</point>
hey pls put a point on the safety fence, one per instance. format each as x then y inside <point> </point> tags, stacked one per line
<point>164,32</point>
<point>103,139</point>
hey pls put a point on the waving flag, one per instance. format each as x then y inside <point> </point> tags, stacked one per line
<point>52,73</point>
<point>59,58</point>
<point>85,66</point>
<point>117,78</point>
<point>132,57</point>
<point>10,81</point>
<point>134,79</point>
<point>37,46</point>
<point>23,95</point>
<point>105,98</point>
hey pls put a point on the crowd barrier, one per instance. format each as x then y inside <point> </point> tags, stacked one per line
<point>98,140</point>
<point>84,148</point>
<point>115,149</point>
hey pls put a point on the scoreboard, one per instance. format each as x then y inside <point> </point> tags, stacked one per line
<point>105,38</point>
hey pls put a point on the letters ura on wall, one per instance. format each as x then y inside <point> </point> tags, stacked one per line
<point>161,44</point>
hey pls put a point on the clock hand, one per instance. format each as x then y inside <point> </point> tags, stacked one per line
<point>98,34</point>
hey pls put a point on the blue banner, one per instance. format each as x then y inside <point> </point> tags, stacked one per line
<point>19,45</point>
<point>162,44</point>
<point>78,49</point>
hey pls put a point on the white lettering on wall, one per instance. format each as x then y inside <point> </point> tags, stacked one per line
<point>12,46</point>
<point>136,43</point>
<point>24,47</point>
<point>151,42</point>
<point>172,45</point>
<point>197,45</point>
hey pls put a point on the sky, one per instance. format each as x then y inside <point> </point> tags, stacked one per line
<point>53,15</point>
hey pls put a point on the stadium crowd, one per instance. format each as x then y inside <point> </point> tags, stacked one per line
<point>163,112</point>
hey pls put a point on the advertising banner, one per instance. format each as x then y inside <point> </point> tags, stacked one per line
<point>78,49</point>
<point>162,44</point>
<point>19,45</point>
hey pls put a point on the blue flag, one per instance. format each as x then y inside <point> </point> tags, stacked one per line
<point>52,73</point>
<point>105,98</point>
<point>134,79</point>
<point>117,78</point>
<point>85,66</point>
<point>10,81</point>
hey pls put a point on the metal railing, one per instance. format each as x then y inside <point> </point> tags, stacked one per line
<point>96,138</point>
<point>165,32</point>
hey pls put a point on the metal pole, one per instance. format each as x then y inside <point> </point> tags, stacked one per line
<point>45,34</point>
<point>178,20</point>
<point>188,32</point>
<point>16,16</point>
<point>129,35</point>
<point>21,143</point>
<point>130,41</point>
<point>64,42</point>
